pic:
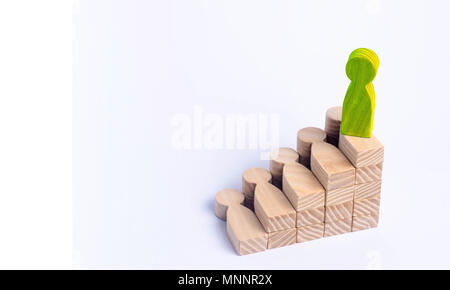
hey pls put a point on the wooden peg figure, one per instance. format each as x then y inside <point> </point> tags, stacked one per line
<point>359,103</point>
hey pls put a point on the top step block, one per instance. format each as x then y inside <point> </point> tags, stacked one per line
<point>362,151</point>
<point>331,167</point>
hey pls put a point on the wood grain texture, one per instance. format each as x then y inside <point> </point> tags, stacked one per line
<point>369,173</point>
<point>339,212</point>
<point>305,160</point>
<point>362,152</point>
<point>368,206</point>
<point>302,188</point>
<point>368,190</point>
<point>359,103</point>
<point>224,199</point>
<point>331,167</point>
<point>364,222</point>
<point>339,195</point>
<point>251,177</point>
<point>282,238</point>
<point>278,158</point>
<point>273,208</point>
<point>305,138</point>
<point>310,217</point>
<point>338,227</point>
<point>333,124</point>
<point>245,232</point>
<point>309,233</point>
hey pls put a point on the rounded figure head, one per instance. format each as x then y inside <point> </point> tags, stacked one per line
<point>362,66</point>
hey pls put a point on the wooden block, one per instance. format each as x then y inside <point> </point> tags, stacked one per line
<point>282,238</point>
<point>359,103</point>
<point>245,231</point>
<point>339,195</point>
<point>339,212</point>
<point>368,190</point>
<point>364,222</point>
<point>278,158</point>
<point>251,177</point>
<point>333,119</point>
<point>369,173</point>
<point>338,227</point>
<point>273,208</point>
<point>302,188</point>
<point>362,151</point>
<point>309,233</point>
<point>305,138</point>
<point>331,167</point>
<point>310,217</point>
<point>224,199</point>
<point>368,206</point>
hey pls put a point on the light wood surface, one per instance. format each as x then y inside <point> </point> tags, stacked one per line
<point>251,177</point>
<point>305,138</point>
<point>309,233</point>
<point>338,212</point>
<point>282,238</point>
<point>331,167</point>
<point>273,208</point>
<point>302,188</point>
<point>362,151</point>
<point>339,195</point>
<point>333,124</point>
<point>224,199</point>
<point>278,158</point>
<point>369,173</point>
<point>368,206</point>
<point>245,231</point>
<point>364,222</point>
<point>359,103</point>
<point>367,190</point>
<point>310,217</point>
<point>338,227</point>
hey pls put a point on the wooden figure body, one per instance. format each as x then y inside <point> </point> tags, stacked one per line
<point>359,103</point>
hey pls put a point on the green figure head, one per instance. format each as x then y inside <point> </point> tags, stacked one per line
<point>362,66</point>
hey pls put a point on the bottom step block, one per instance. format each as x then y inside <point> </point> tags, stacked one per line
<point>309,233</point>
<point>282,238</point>
<point>245,231</point>
<point>364,222</point>
<point>338,227</point>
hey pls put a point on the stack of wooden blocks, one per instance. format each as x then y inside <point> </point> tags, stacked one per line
<point>366,155</point>
<point>318,190</point>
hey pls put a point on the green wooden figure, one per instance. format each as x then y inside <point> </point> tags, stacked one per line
<point>359,103</point>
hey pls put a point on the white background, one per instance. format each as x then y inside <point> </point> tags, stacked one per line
<point>140,203</point>
<point>35,134</point>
